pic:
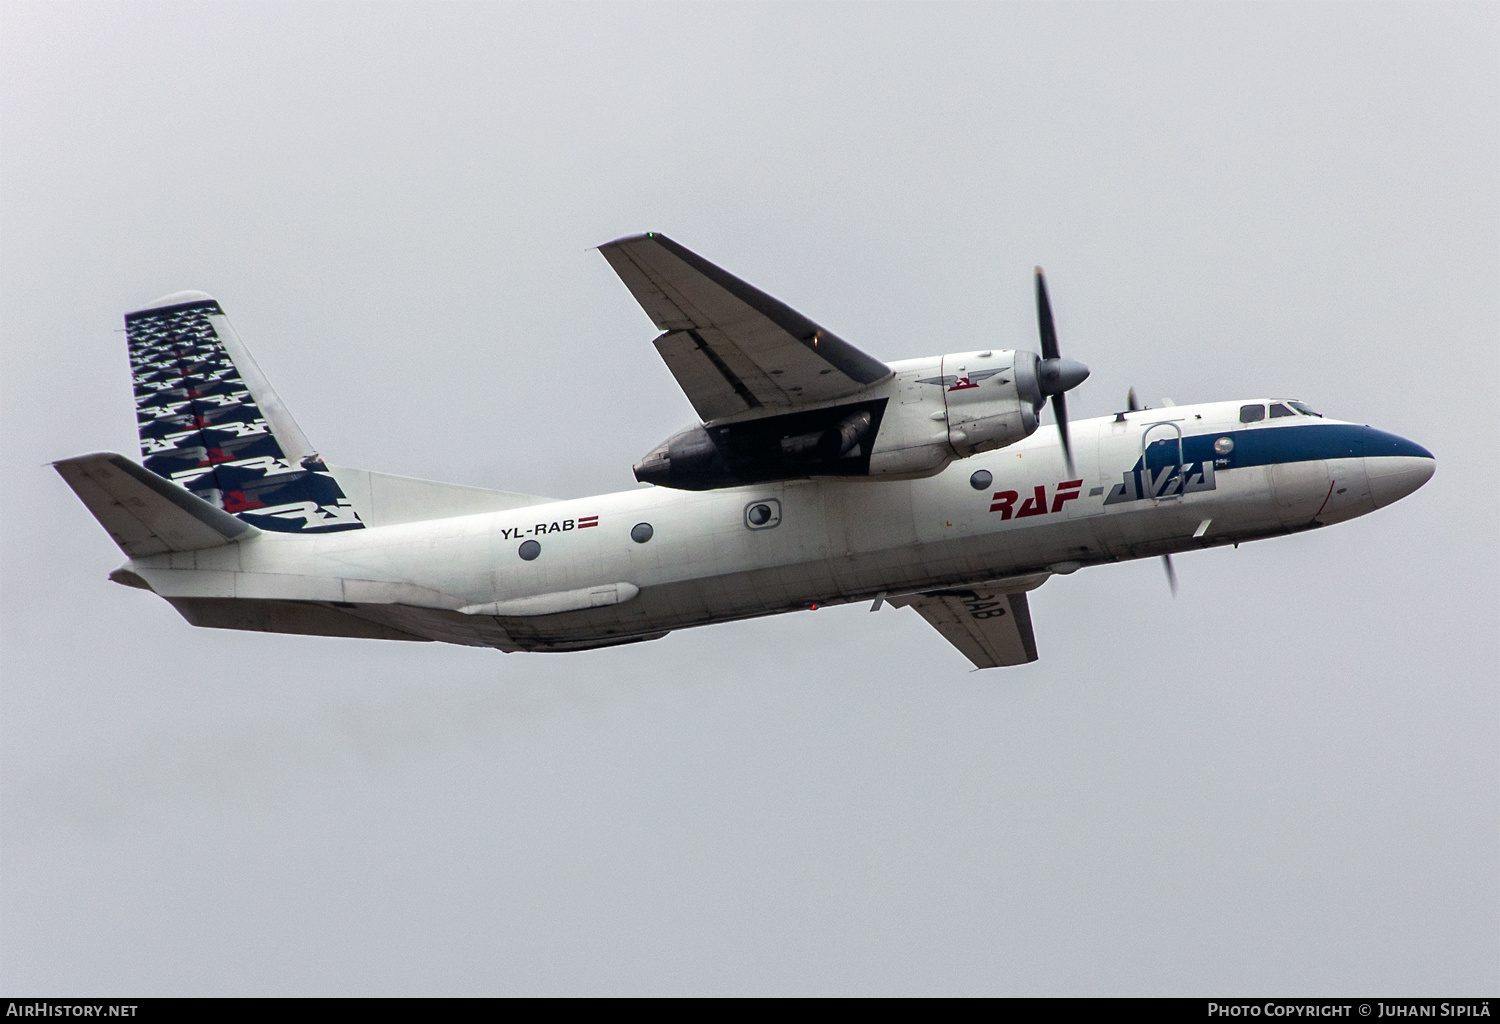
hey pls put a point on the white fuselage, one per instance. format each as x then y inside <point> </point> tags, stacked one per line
<point>827,541</point>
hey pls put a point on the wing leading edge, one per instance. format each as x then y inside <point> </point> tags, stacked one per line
<point>732,347</point>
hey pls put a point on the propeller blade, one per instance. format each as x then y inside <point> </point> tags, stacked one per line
<point>1044,317</point>
<point>1166,561</point>
<point>1131,405</point>
<point>1060,413</point>
<point>1059,374</point>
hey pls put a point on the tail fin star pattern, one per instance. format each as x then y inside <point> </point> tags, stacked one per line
<point>201,427</point>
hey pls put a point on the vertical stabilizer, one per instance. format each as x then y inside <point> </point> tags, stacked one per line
<point>210,421</point>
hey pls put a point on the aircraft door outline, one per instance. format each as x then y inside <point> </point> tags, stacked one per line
<point>1155,487</point>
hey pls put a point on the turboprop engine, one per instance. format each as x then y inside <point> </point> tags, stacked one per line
<point>992,398</point>
<point>782,398</point>
<point>832,441</point>
<point>930,412</point>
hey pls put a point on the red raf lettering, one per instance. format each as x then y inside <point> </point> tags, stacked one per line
<point>1066,491</point>
<point>1036,505</point>
<point>1004,502</point>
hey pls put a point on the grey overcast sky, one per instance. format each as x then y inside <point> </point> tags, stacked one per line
<point>1287,780</point>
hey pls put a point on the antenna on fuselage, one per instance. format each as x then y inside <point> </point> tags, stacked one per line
<point>1131,405</point>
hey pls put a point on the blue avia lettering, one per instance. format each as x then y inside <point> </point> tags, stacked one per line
<point>1162,481</point>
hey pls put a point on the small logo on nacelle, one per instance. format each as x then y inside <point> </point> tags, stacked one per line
<point>955,382</point>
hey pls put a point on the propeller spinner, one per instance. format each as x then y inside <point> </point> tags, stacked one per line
<point>1055,375</point>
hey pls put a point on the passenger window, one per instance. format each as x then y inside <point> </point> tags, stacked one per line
<point>1280,410</point>
<point>1251,413</point>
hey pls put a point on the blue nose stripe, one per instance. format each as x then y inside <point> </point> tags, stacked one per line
<point>1378,443</point>
<point>1270,445</point>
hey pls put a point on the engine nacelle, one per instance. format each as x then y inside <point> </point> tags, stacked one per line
<point>991,399</point>
<point>830,441</point>
<point>928,413</point>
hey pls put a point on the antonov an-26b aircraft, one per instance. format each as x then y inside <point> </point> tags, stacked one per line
<point>819,475</point>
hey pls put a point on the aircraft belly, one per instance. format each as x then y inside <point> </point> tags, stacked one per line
<point>769,590</point>
<point>285,617</point>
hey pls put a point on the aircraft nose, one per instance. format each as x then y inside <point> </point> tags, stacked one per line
<point>1393,477</point>
<point>1395,466</point>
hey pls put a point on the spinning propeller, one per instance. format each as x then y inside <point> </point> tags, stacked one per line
<point>1055,375</point>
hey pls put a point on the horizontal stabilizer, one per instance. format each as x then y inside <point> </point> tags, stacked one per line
<point>144,513</point>
<point>302,617</point>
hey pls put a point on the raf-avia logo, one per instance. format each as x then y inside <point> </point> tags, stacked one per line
<point>1170,481</point>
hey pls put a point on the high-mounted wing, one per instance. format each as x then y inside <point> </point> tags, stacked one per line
<point>732,347</point>
<point>992,628</point>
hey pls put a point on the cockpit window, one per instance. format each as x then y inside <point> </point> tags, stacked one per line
<point>1277,410</point>
<point>1251,413</point>
<point>1305,409</point>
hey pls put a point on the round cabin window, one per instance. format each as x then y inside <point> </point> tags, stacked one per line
<point>1224,445</point>
<point>981,480</point>
<point>759,515</point>
<point>641,532</point>
<point>529,549</point>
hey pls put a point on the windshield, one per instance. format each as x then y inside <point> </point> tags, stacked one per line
<point>1305,409</point>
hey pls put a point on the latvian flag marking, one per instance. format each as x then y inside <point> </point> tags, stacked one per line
<point>586,521</point>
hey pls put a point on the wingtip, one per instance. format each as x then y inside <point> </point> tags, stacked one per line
<point>175,299</point>
<point>85,457</point>
<point>642,237</point>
